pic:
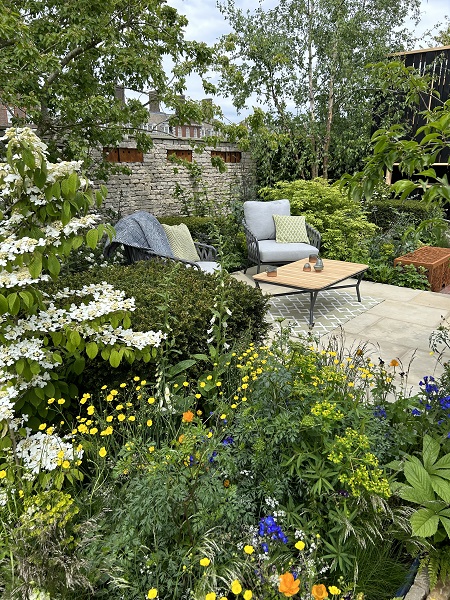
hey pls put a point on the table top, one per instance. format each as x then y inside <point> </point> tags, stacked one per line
<point>292,275</point>
<point>426,256</point>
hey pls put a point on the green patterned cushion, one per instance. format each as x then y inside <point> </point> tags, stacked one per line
<point>180,241</point>
<point>290,229</point>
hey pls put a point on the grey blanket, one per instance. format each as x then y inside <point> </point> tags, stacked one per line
<point>139,230</point>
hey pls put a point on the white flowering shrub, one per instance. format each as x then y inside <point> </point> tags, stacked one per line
<point>44,216</point>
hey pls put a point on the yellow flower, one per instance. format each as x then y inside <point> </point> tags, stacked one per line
<point>151,400</point>
<point>209,434</point>
<point>136,378</point>
<point>143,382</point>
<point>107,431</point>
<point>210,596</point>
<point>132,418</point>
<point>122,385</point>
<point>42,426</point>
<point>205,562</point>
<point>249,549</point>
<point>151,449</point>
<point>49,430</point>
<point>248,595</point>
<point>104,387</point>
<point>223,416</point>
<point>102,452</point>
<point>209,377</point>
<point>109,419</point>
<point>119,407</point>
<point>300,545</point>
<point>90,410</point>
<point>109,398</point>
<point>66,464</point>
<point>335,591</point>
<point>93,431</point>
<point>121,417</point>
<point>149,423</point>
<point>50,400</point>
<point>61,401</point>
<point>152,593</point>
<point>2,474</point>
<point>60,454</point>
<point>202,384</point>
<point>219,383</point>
<point>186,383</point>
<point>236,587</point>
<point>21,494</point>
<point>113,392</point>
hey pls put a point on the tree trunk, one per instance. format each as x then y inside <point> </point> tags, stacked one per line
<point>327,140</point>
<point>311,93</point>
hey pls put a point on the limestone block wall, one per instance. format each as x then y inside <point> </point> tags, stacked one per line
<point>152,183</point>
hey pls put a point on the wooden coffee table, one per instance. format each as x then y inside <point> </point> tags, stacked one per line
<point>312,282</point>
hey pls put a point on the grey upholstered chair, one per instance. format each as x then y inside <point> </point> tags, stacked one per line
<point>259,227</point>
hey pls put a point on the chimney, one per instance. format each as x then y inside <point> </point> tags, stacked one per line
<point>119,93</point>
<point>153,102</point>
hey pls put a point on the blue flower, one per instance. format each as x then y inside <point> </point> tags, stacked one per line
<point>265,547</point>
<point>211,458</point>
<point>415,412</point>
<point>379,412</point>
<point>228,441</point>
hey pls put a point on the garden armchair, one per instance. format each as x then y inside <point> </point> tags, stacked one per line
<point>274,236</point>
<point>143,237</point>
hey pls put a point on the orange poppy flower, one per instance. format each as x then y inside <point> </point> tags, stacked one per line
<point>394,363</point>
<point>319,591</point>
<point>288,585</point>
<point>188,416</point>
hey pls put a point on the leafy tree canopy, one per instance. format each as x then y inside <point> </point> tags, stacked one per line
<point>60,61</point>
<point>306,61</point>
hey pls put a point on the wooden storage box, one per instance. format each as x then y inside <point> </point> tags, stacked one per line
<point>435,260</point>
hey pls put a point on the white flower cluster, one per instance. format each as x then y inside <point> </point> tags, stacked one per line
<point>19,278</point>
<point>43,452</point>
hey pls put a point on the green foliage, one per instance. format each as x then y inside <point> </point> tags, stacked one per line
<point>414,157</point>
<point>68,59</point>
<point>413,211</point>
<point>345,230</point>
<point>307,64</point>
<point>179,300</point>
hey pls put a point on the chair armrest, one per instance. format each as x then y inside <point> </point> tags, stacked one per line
<point>206,252</point>
<point>252,244</point>
<point>133,254</point>
<point>313,235</point>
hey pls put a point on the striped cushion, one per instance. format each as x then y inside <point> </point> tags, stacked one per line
<point>181,242</point>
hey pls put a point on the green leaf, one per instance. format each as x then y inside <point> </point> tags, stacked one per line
<point>73,183</point>
<point>424,522</point>
<point>91,349</point>
<point>446,523</point>
<point>39,178</point>
<point>181,366</point>
<point>20,365</point>
<point>3,305</point>
<point>53,265</point>
<point>65,213</point>
<point>92,238</point>
<point>78,365</point>
<point>443,463</point>
<point>417,476</point>
<point>441,487</point>
<point>13,303</point>
<point>74,337</point>
<point>114,358</point>
<point>430,453</point>
<point>27,298</point>
<point>35,266</point>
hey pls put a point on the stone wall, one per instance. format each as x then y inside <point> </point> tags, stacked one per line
<point>152,183</point>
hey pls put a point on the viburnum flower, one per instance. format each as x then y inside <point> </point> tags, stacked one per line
<point>319,591</point>
<point>288,585</point>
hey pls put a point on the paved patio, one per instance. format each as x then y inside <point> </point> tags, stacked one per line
<point>396,323</point>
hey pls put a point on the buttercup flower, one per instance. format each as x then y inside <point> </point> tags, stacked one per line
<point>152,593</point>
<point>288,585</point>
<point>249,549</point>
<point>236,587</point>
<point>102,453</point>
<point>248,595</point>
<point>2,474</point>
<point>319,591</point>
<point>335,591</point>
<point>300,545</point>
<point>210,596</point>
<point>205,562</point>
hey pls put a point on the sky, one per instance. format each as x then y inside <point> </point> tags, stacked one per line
<point>206,24</point>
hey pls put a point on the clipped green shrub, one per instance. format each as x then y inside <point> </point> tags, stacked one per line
<point>342,222</point>
<point>178,300</point>
<point>381,212</point>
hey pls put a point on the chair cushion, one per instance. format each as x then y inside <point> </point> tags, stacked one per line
<point>208,266</point>
<point>181,242</point>
<point>273,252</point>
<point>290,229</point>
<point>259,216</point>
